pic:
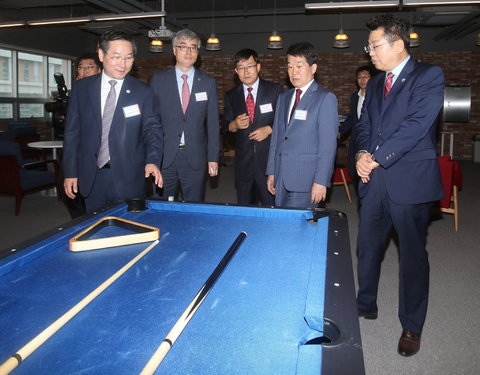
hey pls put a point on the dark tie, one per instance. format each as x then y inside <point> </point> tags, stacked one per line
<point>185,93</point>
<point>297,99</point>
<point>250,104</point>
<point>108,111</point>
<point>388,84</point>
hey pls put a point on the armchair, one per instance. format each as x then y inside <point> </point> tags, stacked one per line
<point>18,178</point>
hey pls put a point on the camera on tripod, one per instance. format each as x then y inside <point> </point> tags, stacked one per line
<point>60,104</point>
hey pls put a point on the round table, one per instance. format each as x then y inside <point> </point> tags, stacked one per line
<point>48,144</point>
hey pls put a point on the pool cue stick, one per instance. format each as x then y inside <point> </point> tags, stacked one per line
<point>184,319</point>
<point>15,360</point>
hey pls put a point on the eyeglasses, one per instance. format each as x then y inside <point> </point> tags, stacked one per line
<point>191,49</point>
<point>369,48</point>
<point>118,59</point>
<point>241,69</point>
<point>364,77</point>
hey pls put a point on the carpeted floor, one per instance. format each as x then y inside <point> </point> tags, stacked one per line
<point>451,337</point>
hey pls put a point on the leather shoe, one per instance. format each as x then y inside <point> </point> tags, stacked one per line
<point>371,315</point>
<point>409,343</point>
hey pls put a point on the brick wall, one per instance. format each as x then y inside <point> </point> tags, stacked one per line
<point>336,72</point>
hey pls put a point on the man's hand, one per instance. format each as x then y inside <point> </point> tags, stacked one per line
<point>271,184</point>
<point>241,122</point>
<point>260,134</point>
<point>71,187</point>
<point>152,169</point>
<point>319,193</point>
<point>365,165</point>
<point>212,168</point>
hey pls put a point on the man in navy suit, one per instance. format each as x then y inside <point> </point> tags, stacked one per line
<point>108,161</point>
<point>304,139</point>
<point>252,130</point>
<point>398,167</point>
<point>363,75</point>
<point>187,101</point>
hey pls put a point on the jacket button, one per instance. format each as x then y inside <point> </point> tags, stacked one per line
<point>379,134</point>
<point>286,138</point>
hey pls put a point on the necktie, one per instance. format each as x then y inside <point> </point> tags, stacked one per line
<point>297,99</point>
<point>388,84</point>
<point>250,105</point>
<point>185,93</point>
<point>108,111</point>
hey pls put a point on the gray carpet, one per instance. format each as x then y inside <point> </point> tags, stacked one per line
<point>451,337</point>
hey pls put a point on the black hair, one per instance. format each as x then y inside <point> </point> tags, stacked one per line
<point>304,49</point>
<point>394,28</point>
<point>107,37</point>
<point>244,54</point>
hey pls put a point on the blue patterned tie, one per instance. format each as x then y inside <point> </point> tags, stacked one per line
<point>108,111</point>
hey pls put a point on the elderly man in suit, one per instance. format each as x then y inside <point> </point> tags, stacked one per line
<point>187,101</point>
<point>113,137</point>
<point>304,139</point>
<point>249,113</point>
<point>398,167</point>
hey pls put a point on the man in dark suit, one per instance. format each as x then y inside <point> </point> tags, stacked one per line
<point>113,137</point>
<point>304,139</point>
<point>187,101</point>
<point>398,167</point>
<point>363,75</point>
<point>249,113</point>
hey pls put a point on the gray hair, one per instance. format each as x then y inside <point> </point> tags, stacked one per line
<point>186,34</point>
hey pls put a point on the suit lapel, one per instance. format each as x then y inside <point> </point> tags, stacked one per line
<point>399,84</point>
<point>95,91</point>
<point>286,106</point>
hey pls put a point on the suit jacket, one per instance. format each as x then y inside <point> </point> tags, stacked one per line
<point>303,152</point>
<point>248,152</point>
<point>400,132</point>
<point>200,123</point>
<point>135,139</point>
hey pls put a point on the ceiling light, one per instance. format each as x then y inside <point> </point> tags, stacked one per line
<point>414,38</point>
<point>213,43</point>
<point>128,16</point>
<point>59,21</point>
<point>156,45</point>
<point>12,24</point>
<point>341,40</point>
<point>439,2</point>
<point>275,41</point>
<point>353,4</point>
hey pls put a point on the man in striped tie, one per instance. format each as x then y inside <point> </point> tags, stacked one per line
<point>113,136</point>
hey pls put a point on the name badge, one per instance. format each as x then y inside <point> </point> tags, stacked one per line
<point>131,110</point>
<point>265,108</point>
<point>300,114</point>
<point>201,96</point>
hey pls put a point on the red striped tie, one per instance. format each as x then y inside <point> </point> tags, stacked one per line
<point>388,84</point>
<point>250,105</point>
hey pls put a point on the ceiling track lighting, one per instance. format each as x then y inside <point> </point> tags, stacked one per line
<point>352,4</point>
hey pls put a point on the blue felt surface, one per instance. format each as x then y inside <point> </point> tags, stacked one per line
<point>254,321</point>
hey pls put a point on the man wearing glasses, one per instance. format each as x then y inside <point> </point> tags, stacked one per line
<point>249,113</point>
<point>187,103</point>
<point>113,137</point>
<point>88,65</point>
<point>398,167</point>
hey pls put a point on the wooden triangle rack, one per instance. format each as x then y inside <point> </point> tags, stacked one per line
<point>142,233</point>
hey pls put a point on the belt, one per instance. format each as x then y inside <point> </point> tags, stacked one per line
<point>181,147</point>
<point>106,166</point>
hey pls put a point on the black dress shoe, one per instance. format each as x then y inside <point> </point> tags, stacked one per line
<point>409,343</point>
<point>371,315</point>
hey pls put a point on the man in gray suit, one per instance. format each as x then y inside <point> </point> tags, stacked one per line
<point>187,103</point>
<point>304,138</point>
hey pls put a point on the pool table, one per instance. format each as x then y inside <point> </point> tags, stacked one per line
<point>285,304</point>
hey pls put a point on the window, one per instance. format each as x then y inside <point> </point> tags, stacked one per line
<point>27,82</point>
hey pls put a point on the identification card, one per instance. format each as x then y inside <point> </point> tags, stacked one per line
<point>201,96</point>
<point>131,110</point>
<point>266,108</point>
<point>300,114</point>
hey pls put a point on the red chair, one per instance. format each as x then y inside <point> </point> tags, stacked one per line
<point>451,175</point>
<point>341,177</point>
